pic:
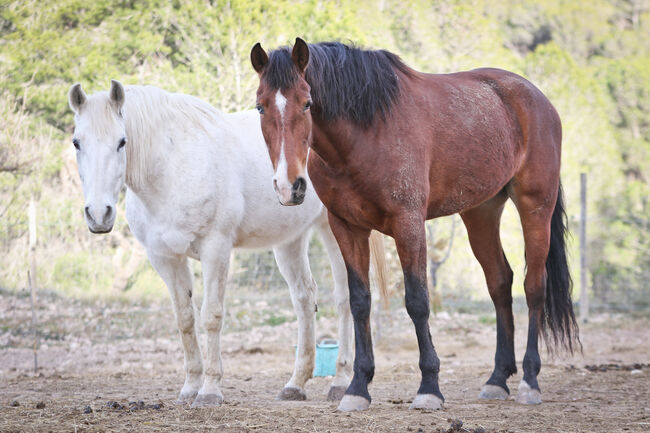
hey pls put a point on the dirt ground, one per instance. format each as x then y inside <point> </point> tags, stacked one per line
<point>94,354</point>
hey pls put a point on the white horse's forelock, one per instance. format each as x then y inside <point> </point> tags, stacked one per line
<point>148,112</point>
<point>101,114</point>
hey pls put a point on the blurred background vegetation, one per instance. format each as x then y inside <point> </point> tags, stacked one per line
<point>591,58</point>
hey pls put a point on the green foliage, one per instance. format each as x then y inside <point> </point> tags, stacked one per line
<point>592,58</point>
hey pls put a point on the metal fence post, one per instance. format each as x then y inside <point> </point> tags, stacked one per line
<point>584,296</point>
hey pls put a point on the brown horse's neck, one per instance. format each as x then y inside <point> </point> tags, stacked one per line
<point>327,143</point>
<point>334,141</point>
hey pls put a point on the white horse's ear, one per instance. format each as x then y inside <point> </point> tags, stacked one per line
<point>76,97</point>
<point>117,95</point>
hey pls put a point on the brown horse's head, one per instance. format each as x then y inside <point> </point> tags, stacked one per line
<point>284,101</point>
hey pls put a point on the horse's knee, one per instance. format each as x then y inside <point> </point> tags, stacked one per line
<point>343,304</point>
<point>185,320</point>
<point>304,298</point>
<point>416,299</point>
<point>212,321</point>
<point>360,304</point>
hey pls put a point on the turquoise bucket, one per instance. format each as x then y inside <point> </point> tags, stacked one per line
<point>326,353</point>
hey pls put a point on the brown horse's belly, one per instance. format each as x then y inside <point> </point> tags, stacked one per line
<point>470,186</point>
<point>459,198</point>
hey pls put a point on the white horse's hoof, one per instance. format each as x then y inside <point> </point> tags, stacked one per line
<point>290,393</point>
<point>207,400</point>
<point>185,398</point>
<point>527,395</point>
<point>351,403</point>
<point>493,392</point>
<point>336,393</point>
<point>426,402</point>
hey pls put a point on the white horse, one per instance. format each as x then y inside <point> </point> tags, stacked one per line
<point>197,187</point>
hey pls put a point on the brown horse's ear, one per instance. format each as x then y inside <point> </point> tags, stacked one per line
<point>300,55</point>
<point>76,98</point>
<point>259,59</point>
<point>117,95</point>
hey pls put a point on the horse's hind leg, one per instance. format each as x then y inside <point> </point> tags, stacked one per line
<point>482,224</point>
<point>293,262</point>
<point>176,274</point>
<point>342,300</point>
<point>410,240</point>
<point>535,205</point>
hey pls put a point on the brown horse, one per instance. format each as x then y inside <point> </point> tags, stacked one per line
<point>392,147</point>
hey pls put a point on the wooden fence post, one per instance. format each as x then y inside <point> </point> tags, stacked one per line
<point>31,275</point>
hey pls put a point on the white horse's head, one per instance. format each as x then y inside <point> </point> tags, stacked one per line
<point>99,138</point>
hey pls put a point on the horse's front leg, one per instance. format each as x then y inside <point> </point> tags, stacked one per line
<point>176,274</point>
<point>353,242</point>
<point>293,262</point>
<point>410,240</point>
<point>342,300</point>
<point>214,263</point>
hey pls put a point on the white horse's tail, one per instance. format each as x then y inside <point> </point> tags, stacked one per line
<point>379,265</point>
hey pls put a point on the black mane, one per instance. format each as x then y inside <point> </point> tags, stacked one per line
<point>346,82</point>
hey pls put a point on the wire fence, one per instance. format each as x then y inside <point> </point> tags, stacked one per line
<point>67,255</point>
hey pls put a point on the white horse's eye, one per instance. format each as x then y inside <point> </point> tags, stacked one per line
<point>121,143</point>
<point>75,143</point>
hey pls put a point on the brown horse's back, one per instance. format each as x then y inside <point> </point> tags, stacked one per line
<point>485,127</point>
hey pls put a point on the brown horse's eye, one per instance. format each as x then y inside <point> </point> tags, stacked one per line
<point>260,109</point>
<point>121,143</point>
<point>307,106</point>
<point>75,143</point>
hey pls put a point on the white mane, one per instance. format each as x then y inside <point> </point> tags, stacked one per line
<point>149,112</point>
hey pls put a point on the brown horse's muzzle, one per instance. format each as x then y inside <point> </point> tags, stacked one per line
<point>293,196</point>
<point>298,190</point>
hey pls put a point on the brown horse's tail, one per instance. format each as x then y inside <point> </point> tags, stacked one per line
<point>379,265</point>
<point>558,308</point>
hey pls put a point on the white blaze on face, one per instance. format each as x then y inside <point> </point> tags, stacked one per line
<point>281,179</point>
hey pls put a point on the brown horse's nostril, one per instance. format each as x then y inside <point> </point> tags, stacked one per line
<point>298,190</point>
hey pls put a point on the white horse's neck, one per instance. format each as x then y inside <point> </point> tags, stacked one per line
<point>153,116</point>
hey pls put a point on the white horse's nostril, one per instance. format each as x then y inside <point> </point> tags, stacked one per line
<point>108,214</point>
<point>275,184</point>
